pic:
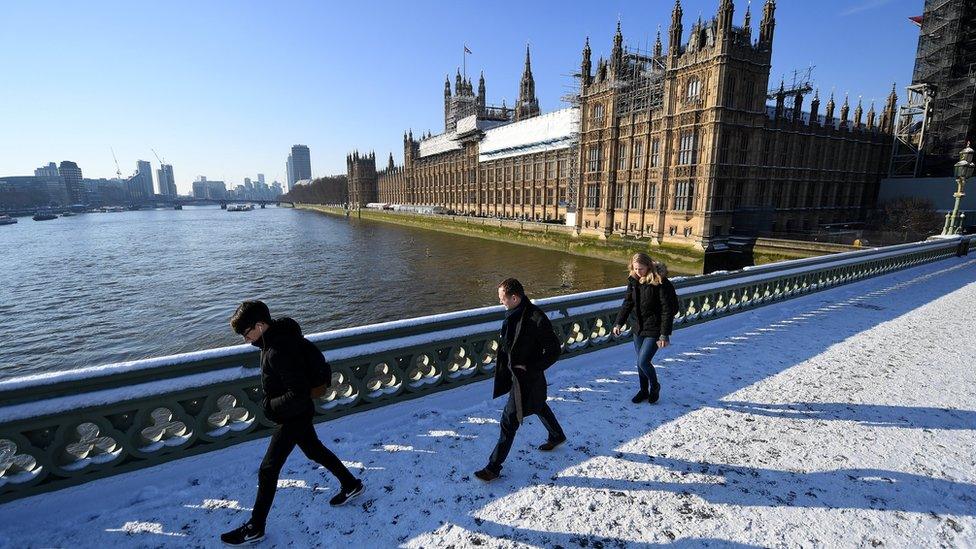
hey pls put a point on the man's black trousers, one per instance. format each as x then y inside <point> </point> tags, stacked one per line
<point>300,432</point>
<point>510,424</point>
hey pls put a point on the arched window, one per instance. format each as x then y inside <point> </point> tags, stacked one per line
<point>693,89</point>
<point>597,114</point>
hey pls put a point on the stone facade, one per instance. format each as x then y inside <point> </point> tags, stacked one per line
<point>712,157</point>
<point>678,146</point>
<point>361,178</point>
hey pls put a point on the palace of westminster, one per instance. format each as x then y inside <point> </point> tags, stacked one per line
<point>676,146</point>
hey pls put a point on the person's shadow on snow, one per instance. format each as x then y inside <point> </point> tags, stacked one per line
<point>874,415</point>
<point>875,489</point>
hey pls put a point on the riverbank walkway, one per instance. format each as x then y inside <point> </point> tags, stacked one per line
<point>843,418</point>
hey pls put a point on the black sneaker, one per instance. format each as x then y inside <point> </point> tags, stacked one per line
<point>655,393</point>
<point>551,444</point>
<point>641,396</point>
<point>347,494</point>
<point>486,474</point>
<point>247,534</point>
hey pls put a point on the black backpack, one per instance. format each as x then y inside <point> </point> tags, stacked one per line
<point>319,370</point>
<point>671,295</point>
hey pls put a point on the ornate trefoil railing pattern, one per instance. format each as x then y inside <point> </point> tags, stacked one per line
<point>66,428</point>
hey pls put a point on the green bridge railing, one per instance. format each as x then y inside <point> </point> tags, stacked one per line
<point>66,428</point>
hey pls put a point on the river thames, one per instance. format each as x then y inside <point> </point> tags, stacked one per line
<point>107,287</point>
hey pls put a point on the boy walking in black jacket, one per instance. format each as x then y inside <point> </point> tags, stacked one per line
<point>528,347</point>
<point>288,362</point>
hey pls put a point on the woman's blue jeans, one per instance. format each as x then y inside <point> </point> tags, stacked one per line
<point>646,347</point>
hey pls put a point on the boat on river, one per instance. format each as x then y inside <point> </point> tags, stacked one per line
<point>44,216</point>
<point>7,220</point>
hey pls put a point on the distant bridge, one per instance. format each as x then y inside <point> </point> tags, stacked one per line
<point>187,201</point>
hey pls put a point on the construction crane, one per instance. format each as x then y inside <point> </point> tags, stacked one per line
<point>118,172</point>
<point>161,161</point>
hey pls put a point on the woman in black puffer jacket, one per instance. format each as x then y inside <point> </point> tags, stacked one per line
<point>647,297</point>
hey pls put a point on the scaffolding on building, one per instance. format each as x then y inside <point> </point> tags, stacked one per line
<point>640,89</point>
<point>946,63</point>
<point>572,178</point>
<point>640,84</point>
<point>911,125</point>
<point>801,83</point>
<point>572,98</point>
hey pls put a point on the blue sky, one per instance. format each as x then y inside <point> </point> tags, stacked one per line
<point>224,88</point>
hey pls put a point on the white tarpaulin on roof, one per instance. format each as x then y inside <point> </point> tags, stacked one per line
<point>555,130</point>
<point>471,123</point>
<point>439,144</point>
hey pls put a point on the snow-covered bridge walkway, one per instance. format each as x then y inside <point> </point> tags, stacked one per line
<point>841,418</point>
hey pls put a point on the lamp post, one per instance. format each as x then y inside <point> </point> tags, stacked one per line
<point>963,170</point>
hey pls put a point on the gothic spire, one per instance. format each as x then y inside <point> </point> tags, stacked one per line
<point>815,108</point>
<point>844,110</point>
<point>767,24</point>
<point>780,100</point>
<point>724,16</point>
<point>797,106</point>
<point>528,105</point>
<point>585,65</point>
<point>892,97</point>
<point>674,33</point>
<point>617,55</point>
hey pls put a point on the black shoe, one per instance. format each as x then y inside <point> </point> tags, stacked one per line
<point>245,535</point>
<point>486,474</point>
<point>347,494</point>
<point>551,444</point>
<point>641,396</point>
<point>655,393</point>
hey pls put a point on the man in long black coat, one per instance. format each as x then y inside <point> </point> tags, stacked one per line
<point>528,347</point>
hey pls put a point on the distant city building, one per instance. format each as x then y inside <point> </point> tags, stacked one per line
<point>253,191</point>
<point>290,178</point>
<point>140,184</point>
<point>166,180</point>
<point>261,178</point>
<point>46,188</point>
<point>106,192</point>
<point>31,191</point>
<point>209,190</point>
<point>299,164</point>
<point>144,171</point>
<point>71,175</point>
<point>51,170</point>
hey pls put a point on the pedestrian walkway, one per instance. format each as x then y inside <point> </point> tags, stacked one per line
<point>841,418</point>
